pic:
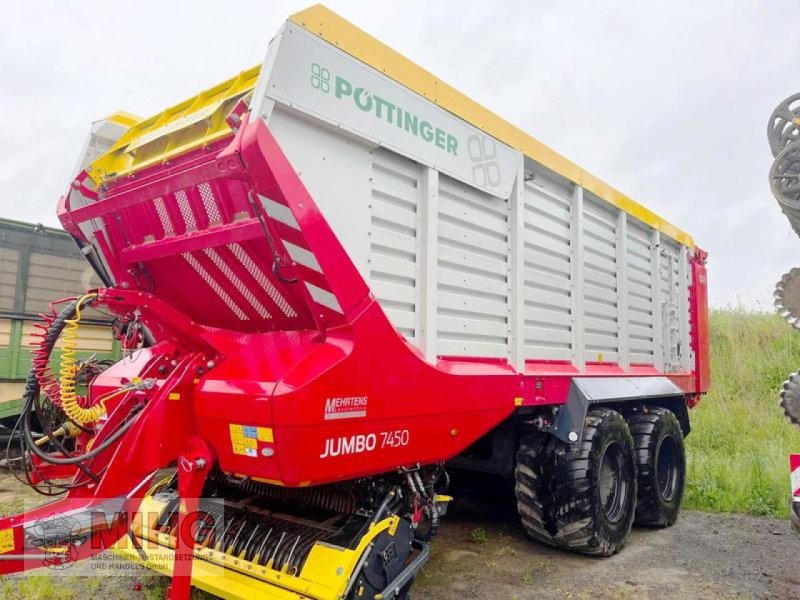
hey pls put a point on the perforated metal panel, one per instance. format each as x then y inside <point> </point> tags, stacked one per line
<point>393,238</point>
<point>472,272</point>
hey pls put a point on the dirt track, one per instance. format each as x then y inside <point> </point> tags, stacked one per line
<point>703,556</point>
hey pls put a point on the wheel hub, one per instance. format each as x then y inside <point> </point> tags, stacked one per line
<point>667,468</point>
<point>612,483</point>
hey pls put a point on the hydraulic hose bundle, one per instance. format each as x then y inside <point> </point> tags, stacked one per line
<point>43,331</point>
<point>68,371</point>
<point>60,411</point>
<point>783,133</point>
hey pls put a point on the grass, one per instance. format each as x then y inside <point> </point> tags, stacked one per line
<point>31,588</point>
<point>44,586</point>
<point>737,450</point>
<point>478,535</point>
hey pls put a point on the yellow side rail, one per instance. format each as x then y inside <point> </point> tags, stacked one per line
<point>193,123</point>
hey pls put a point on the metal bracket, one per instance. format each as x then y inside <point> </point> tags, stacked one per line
<point>569,421</point>
<point>394,588</point>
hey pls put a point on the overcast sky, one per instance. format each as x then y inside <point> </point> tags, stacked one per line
<point>667,101</point>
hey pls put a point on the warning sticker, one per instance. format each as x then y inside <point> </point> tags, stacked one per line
<point>245,439</point>
<point>6,541</point>
<point>237,434</point>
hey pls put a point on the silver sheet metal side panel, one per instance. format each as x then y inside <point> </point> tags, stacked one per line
<point>393,243</point>
<point>672,289</point>
<point>437,249</point>
<point>622,289</point>
<point>428,228</point>
<point>337,170</point>
<point>659,302</point>
<point>516,272</point>
<point>576,271</point>
<point>472,272</point>
<point>639,296</point>
<point>684,279</point>
<point>594,290</point>
<point>548,278</point>
<point>599,255</point>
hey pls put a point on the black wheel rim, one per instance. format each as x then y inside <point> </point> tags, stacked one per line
<point>667,468</point>
<point>613,483</point>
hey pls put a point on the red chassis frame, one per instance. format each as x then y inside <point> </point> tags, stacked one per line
<point>278,369</point>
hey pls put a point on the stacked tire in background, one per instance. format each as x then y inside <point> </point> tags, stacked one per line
<point>783,132</point>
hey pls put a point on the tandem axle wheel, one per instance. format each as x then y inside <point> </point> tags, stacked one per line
<point>585,497</point>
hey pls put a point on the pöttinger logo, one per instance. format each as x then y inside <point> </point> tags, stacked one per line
<point>483,154</point>
<point>320,78</point>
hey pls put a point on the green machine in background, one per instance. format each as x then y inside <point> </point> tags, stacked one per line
<point>38,264</point>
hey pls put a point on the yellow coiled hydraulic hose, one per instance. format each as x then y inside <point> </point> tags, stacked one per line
<point>68,371</point>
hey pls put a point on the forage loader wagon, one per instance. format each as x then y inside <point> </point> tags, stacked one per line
<point>337,274</point>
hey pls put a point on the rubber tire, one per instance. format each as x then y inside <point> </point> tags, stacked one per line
<point>790,398</point>
<point>558,496</point>
<point>649,431</point>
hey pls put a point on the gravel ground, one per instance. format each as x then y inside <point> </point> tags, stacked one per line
<point>478,556</point>
<point>703,555</point>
